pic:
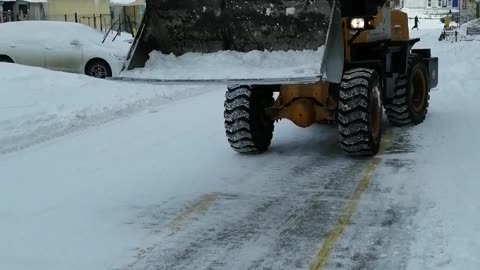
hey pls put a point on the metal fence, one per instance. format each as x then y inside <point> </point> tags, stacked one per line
<point>102,22</point>
<point>8,16</point>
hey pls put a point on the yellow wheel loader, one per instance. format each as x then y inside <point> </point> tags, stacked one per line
<point>339,62</point>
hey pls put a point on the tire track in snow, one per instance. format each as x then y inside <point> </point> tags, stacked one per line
<point>277,226</point>
<point>380,231</point>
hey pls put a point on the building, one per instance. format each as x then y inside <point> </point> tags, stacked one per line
<point>59,9</point>
<point>100,14</point>
<point>465,9</point>
<point>431,4</point>
<point>54,10</point>
<point>438,4</point>
<point>103,15</point>
<point>129,12</point>
<point>14,10</point>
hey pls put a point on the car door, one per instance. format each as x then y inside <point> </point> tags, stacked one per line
<point>64,55</point>
<point>26,52</point>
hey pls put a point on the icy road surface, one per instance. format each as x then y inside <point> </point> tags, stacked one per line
<point>156,186</point>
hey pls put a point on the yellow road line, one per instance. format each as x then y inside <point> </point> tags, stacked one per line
<point>344,220</point>
<point>201,205</point>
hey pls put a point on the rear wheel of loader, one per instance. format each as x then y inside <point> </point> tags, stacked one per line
<point>247,126</point>
<point>412,95</point>
<point>360,112</point>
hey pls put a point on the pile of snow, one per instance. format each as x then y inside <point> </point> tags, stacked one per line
<point>39,104</point>
<point>458,63</point>
<point>231,65</point>
<point>443,175</point>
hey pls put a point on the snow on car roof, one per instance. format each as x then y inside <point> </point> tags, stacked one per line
<point>47,30</point>
<point>54,31</point>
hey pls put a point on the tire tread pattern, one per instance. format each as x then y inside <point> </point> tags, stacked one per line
<point>245,133</point>
<point>353,113</point>
<point>398,110</point>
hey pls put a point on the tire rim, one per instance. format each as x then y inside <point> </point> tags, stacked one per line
<point>99,71</point>
<point>375,112</point>
<point>418,91</point>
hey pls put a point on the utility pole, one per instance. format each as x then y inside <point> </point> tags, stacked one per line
<point>460,8</point>
<point>477,9</point>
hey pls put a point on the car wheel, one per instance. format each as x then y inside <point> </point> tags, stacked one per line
<point>5,59</point>
<point>98,69</point>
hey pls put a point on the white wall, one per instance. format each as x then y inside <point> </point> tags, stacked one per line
<point>415,3</point>
<point>424,3</point>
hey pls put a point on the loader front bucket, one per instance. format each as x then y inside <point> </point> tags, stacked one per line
<point>231,40</point>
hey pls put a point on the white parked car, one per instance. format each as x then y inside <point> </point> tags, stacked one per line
<point>62,46</point>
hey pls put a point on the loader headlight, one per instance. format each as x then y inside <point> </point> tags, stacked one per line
<point>357,23</point>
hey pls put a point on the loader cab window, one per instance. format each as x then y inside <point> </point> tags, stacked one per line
<point>353,8</point>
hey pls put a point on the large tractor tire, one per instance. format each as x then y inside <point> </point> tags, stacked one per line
<point>360,111</point>
<point>412,94</point>
<point>248,129</point>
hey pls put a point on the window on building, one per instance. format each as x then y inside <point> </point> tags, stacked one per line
<point>439,3</point>
<point>23,8</point>
<point>8,6</point>
<point>429,3</point>
<point>449,3</point>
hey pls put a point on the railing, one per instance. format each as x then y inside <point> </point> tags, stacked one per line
<point>473,31</point>
<point>102,22</point>
<point>8,16</point>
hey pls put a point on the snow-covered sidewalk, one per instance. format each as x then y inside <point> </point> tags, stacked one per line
<point>446,230</point>
<point>38,104</point>
<point>420,212</point>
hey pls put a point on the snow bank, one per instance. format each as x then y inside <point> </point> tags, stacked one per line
<point>231,65</point>
<point>463,30</point>
<point>458,61</point>
<point>39,104</point>
<point>458,71</point>
<point>445,171</point>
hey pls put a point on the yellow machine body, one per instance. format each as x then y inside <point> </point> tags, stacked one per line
<point>307,104</point>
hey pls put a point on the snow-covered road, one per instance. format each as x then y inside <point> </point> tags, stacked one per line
<point>157,187</point>
<point>135,189</point>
